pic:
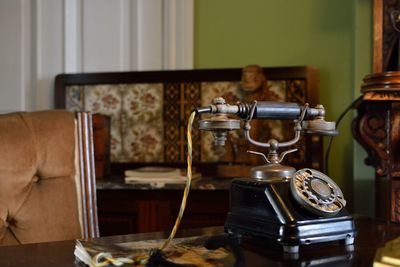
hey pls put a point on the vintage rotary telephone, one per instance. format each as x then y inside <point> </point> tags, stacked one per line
<point>276,202</point>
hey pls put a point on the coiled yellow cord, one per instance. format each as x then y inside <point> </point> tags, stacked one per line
<point>107,257</point>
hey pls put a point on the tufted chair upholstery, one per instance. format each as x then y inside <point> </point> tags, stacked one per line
<point>47,184</point>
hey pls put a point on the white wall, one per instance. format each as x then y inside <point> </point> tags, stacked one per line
<point>42,38</point>
<point>14,55</point>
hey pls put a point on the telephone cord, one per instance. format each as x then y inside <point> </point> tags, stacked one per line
<point>105,258</point>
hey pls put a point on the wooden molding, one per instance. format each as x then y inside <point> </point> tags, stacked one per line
<point>378,35</point>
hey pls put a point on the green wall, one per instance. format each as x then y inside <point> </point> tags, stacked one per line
<point>320,33</point>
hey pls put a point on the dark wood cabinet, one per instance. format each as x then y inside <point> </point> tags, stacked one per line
<point>125,211</point>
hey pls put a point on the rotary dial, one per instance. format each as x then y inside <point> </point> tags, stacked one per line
<point>317,192</point>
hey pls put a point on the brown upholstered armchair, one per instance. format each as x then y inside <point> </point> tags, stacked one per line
<point>47,179</point>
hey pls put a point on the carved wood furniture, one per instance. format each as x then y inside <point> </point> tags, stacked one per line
<point>377,129</point>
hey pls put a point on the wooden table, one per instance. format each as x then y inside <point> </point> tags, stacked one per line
<point>371,235</point>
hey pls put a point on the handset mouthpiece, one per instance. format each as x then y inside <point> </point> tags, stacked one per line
<point>318,125</point>
<point>219,123</point>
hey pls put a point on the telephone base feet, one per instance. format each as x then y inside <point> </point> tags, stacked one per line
<point>349,241</point>
<point>291,249</point>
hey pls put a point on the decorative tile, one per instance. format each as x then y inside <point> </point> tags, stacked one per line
<point>74,100</point>
<point>228,90</point>
<point>106,99</point>
<point>172,119</point>
<point>142,127</point>
<point>143,102</point>
<point>277,90</point>
<point>191,93</point>
<point>180,99</point>
<point>144,143</point>
<point>296,91</point>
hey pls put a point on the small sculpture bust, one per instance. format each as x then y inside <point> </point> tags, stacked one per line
<point>253,78</point>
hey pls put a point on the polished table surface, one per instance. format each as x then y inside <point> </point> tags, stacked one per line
<point>371,234</point>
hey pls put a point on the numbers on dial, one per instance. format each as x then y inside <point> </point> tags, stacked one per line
<point>317,192</point>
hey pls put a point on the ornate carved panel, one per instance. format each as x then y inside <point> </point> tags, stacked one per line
<point>371,134</point>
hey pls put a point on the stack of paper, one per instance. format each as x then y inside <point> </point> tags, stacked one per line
<point>389,255</point>
<point>157,175</point>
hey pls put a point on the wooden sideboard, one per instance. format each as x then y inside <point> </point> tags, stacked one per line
<point>126,208</point>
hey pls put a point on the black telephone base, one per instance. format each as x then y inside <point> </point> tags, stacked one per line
<point>268,211</point>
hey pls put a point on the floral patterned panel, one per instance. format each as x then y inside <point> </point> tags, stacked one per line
<point>107,100</point>
<point>143,128</point>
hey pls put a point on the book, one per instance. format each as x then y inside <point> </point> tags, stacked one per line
<point>158,176</point>
<point>188,251</point>
<point>153,172</point>
<point>388,255</point>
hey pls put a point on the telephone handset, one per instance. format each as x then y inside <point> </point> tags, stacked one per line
<point>317,193</point>
<point>277,203</point>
